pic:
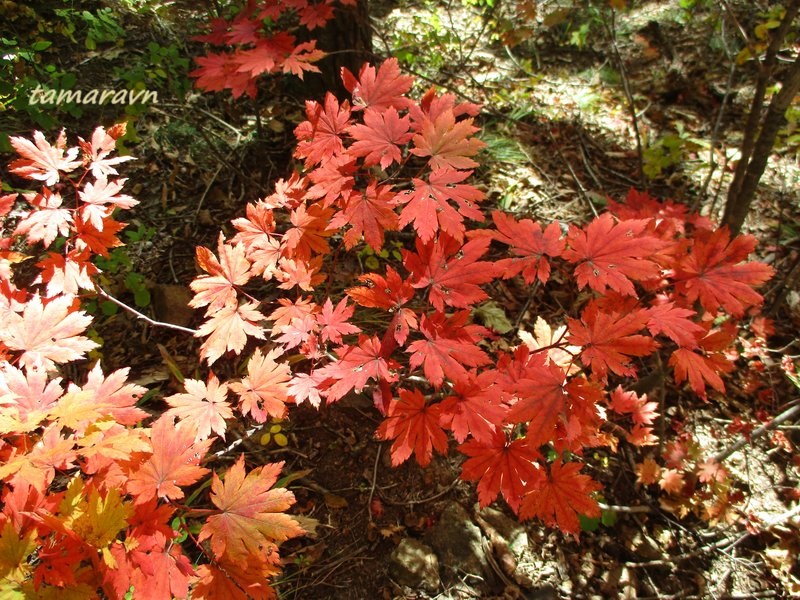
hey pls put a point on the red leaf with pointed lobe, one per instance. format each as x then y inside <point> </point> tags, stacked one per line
<point>371,214</point>
<point>379,139</point>
<point>452,271</point>
<point>559,499</point>
<point>474,407</point>
<point>355,366</point>
<point>320,137</point>
<point>174,463</point>
<point>334,322</point>
<point>610,339</point>
<point>539,399</point>
<point>713,272</point>
<point>500,466</point>
<point>613,255</point>
<point>449,346</point>
<point>251,517</point>
<point>379,88</point>
<point>700,369</point>
<point>531,246</point>
<point>674,322</point>
<point>447,142</point>
<point>414,426</point>
<point>428,204</point>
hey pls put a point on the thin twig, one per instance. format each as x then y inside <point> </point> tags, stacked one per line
<point>624,509</point>
<point>423,500</point>
<point>626,87</point>
<point>712,163</point>
<point>141,316</point>
<point>374,481</point>
<point>790,412</point>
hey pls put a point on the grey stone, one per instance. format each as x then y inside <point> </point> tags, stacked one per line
<point>512,532</point>
<point>414,564</point>
<point>459,545</point>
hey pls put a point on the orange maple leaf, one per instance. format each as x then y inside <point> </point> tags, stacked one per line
<point>47,334</point>
<point>174,463</point>
<point>251,517</point>
<point>205,406</point>
<point>263,393</point>
<point>218,288</point>
<point>559,499</point>
<point>414,426</point>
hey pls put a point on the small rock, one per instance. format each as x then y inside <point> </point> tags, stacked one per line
<point>459,544</point>
<point>415,565</point>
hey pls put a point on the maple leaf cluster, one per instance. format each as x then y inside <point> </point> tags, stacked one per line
<point>90,495</point>
<point>652,279</point>
<point>258,41</point>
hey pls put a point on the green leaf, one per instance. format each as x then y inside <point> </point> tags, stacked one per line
<point>588,524</point>
<point>141,297</point>
<point>608,518</point>
<point>492,315</point>
<point>108,308</point>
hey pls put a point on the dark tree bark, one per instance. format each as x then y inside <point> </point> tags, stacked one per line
<point>758,142</point>
<point>348,41</point>
<point>738,206</point>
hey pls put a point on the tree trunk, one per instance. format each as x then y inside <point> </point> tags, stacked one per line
<point>738,204</point>
<point>347,39</point>
<point>754,142</point>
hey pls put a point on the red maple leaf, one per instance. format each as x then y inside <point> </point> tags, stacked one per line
<point>40,160</point>
<point>313,15</point>
<point>334,321</point>
<point>611,255</point>
<point>355,366</point>
<point>265,55</point>
<point>67,273</point>
<point>219,71</point>
<point>263,393</point>
<point>251,518</point>
<point>428,205</point>
<point>560,498</point>
<point>700,369</point>
<point>333,180</point>
<point>414,426</point>
<point>300,60</point>
<point>47,333</point>
<point>712,272</point>
<point>674,322</point>
<point>447,142</point>
<point>609,339</point>
<point>98,241</point>
<point>243,30</point>
<point>381,88</point>
<point>320,137</point>
<point>227,330</point>
<point>500,466</point>
<point>391,293</point>
<point>203,405</point>
<point>308,235</point>
<point>474,407</point>
<point>379,138</point>
<point>174,462</point>
<point>370,214</point>
<point>538,399</point>
<point>448,347</point>
<point>218,288</point>
<point>452,271</point>
<point>628,403</point>
<point>530,244</point>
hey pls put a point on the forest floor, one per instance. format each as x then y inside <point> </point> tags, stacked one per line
<point>558,126</point>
